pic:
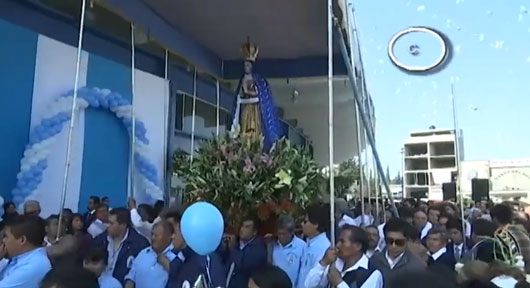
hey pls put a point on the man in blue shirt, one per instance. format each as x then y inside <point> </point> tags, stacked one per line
<point>28,262</point>
<point>122,243</point>
<point>245,257</point>
<point>287,251</point>
<point>316,223</point>
<point>146,271</point>
<point>96,262</point>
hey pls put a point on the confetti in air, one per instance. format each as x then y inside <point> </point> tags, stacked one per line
<point>421,8</point>
<point>458,48</point>
<point>489,13</point>
<point>497,44</point>
<point>481,37</point>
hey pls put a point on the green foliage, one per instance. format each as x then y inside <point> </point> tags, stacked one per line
<point>239,178</point>
<point>346,174</point>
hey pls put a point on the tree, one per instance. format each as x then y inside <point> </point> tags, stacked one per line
<point>388,174</point>
<point>398,179</point>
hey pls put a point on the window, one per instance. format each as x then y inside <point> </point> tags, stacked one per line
<point>205,117</point>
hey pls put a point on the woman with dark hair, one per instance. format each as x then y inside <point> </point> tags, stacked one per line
<point>10,211</point>
<point>78,228</point>
<point>269,277</point>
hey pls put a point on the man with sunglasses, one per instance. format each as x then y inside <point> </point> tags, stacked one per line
<point>395,259</point>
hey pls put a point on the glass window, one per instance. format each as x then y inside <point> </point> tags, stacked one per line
<point>205,117</point>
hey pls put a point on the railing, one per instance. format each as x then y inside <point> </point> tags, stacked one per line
<point>295,136</point>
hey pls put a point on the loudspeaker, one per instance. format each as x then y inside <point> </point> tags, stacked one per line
<point>449,191</point>
<point>480,189</point>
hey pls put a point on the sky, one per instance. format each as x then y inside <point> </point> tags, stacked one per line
<point>490,70</point>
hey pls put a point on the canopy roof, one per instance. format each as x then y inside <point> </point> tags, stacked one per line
<point>292,35</point>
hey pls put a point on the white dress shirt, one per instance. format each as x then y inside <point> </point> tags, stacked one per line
<point>347,220</point>
<point>143,227</point>
<point>113,251</point>
<point>382,243</point>
<point>439,253</point>
<point>370,253</point>
<point>96,228</point>
<point>364,220</point>
<point>393,262</point>
<point>318,276</point>
<point>425,230</point>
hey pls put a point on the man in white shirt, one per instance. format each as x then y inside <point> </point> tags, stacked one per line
<point>350,269</point>
<point>421,223</point>
<point>143,218</point>
<point>52,226</point>
<point>373,240</point>
<point>100,224</point>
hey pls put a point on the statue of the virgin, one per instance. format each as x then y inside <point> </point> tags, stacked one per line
<point>255,113</point>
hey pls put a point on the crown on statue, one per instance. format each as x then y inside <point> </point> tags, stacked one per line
<point>250,51</point>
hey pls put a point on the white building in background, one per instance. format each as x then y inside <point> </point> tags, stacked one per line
<point>429,160</point>
<point>508,178</point>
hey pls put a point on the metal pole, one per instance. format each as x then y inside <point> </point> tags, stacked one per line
<point>369,180</point>
<point>360,158</point>
<point>357,123</point>
<point>402,173</point>
<point>133,117</point>
<point>457,148</point>
<point>330,123</point>
<point>192,148</point>
<point>365,121</point>
<point>217,109</point>
<point>377,214</point>
<point>72,116</point>
<point>167,167</point>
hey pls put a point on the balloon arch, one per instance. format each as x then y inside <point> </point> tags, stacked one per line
<point>45,134</point>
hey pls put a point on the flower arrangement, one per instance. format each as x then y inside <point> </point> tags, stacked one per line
<point>239,178</point>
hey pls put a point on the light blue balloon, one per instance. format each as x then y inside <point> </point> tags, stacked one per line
<point>202,227</point>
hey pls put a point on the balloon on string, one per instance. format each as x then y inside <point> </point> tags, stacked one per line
<point>202,227</point>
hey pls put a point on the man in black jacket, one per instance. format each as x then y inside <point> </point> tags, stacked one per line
<point>395,259</point>
<point>122,242</point>
<point>437,246</point>
<point>245,257</point>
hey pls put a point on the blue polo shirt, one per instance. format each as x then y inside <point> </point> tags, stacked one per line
<point>289,257</point>
<point>314,251</point>
<point>26,270</point>
<point>146,272</point>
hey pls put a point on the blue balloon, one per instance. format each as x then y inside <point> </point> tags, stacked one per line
<point>202,227</point>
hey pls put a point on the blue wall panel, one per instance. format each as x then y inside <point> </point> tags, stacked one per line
<point>106,149</point>
<point>18,49</point>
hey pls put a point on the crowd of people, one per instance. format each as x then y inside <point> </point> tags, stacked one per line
<point>142,246</point>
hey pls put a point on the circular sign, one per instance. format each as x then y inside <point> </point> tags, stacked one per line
<point>414,49</point>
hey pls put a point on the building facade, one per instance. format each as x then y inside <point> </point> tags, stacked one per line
<point>508,179</point>
<point>430,159</point>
